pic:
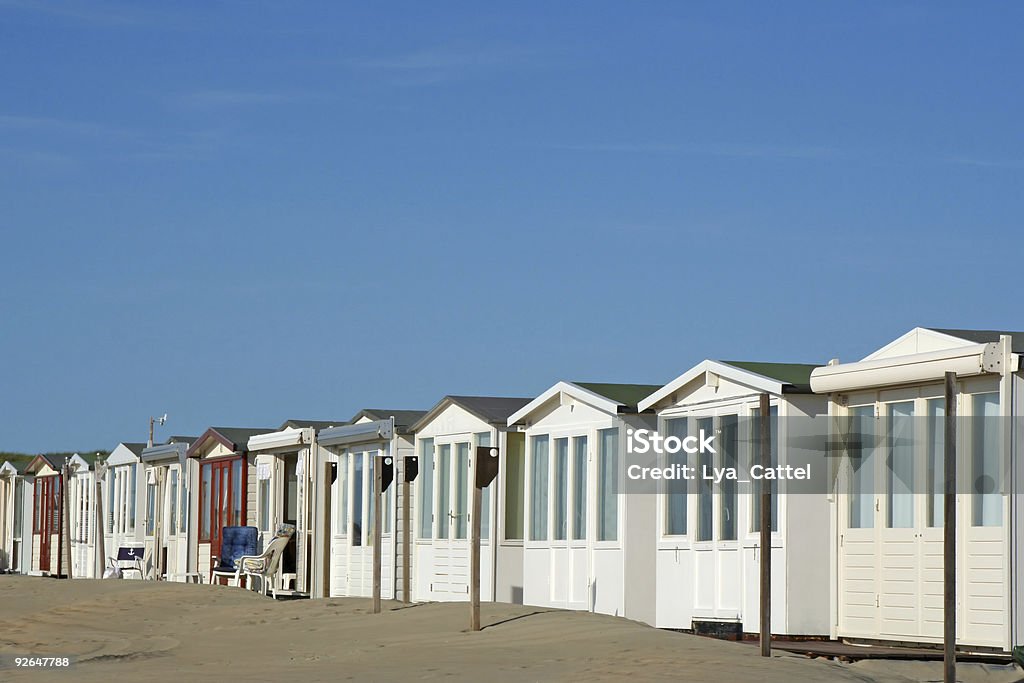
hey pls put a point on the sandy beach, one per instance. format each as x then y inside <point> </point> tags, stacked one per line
<point>133,630</point>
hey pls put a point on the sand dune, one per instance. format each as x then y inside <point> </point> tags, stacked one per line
<point>133,630</point>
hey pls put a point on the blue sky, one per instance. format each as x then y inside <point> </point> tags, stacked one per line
<point>238,213</point>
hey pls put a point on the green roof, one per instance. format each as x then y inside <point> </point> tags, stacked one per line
<point>628,395</point>
<point>19,460</point>
<point>796,374</point>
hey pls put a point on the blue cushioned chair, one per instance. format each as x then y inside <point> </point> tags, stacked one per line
<point>236,541</point>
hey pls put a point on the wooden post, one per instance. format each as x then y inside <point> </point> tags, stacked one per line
<point>65,519</point>
<point>474,559</point>
<point>377,524</point>
<point>324,540</point>
<point>766,528</point>
<point>406,541</point>
<point>949,537</point>
<point>99,525</point>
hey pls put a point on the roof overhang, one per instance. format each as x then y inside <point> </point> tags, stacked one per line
<point>712,369</point>
<point>364,432</point>
<point>289,438</point>
<point>169,452</point>
<point>966,361</point>
<point>569,389</point>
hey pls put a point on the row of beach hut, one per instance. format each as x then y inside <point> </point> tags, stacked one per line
<point>860,559</point>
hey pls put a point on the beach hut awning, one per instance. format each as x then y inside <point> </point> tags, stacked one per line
<point>168,451</point>
<point>377,430</point>
<point>965,361</point>
<point>289,437</point>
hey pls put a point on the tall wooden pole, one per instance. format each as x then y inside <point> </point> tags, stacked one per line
<point>406,540</point>
<point>377,524</point>
<point>766,528</point>
<point>65,520</point>
<point>949,537</point>
<point>98,525</point>
<point>474,560</point>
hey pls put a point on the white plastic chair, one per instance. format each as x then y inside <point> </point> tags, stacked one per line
<point>265,564</point>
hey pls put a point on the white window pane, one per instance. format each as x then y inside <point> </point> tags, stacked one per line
<point>561,488</point>
<point>675,489</point>
<point>579,488</point>
<point>425,489</point>
<point>444,473</point>
<point>539,488</point>
<point>900,466</point>
<point>986,475</point>
<point>608,485</point>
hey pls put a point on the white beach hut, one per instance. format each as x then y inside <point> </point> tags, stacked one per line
<point>588,545</point>
<point>83,515</point>
<point>886,544</point>
<point>446,441</point>
<point>123,484</point>
<point>15,516</point>
<point>167,510</point>
<point>285,469</point>
<point>708,554</point>
<point>349,455</point>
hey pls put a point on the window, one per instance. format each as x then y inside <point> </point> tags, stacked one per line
<point>729,431</point>
<point>111,476</point>
<point>936,464</point>
<point>561,502</point>
<point>343,496</point>
<point>204,502</point>
<point>19,503</point>
<point>515,486</point>
<point>986,475</point>
<point>371,509</point>
<point>426,488</point>
<point>237,494</point>
<point>899,467</point>
<point>183,507</point>
<point>356,530</point>
<point>539,488</point>
<point>483,439</point>
<point>755,459</point>
<point>133,488</point>
<point>705,461</point>
<point>461,511</point>
<point>675,489</point>
<point>172,520</point>
<point>263,496</point>
<point>862,467</point>
<point>444,473</point>
<point>222,496</point>
<point>608,485</point>
<point>579,488</point>
<point>150,508</point>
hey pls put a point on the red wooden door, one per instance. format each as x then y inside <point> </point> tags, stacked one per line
<point>45,520</point>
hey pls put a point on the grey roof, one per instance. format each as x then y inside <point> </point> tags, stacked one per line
<point>983,336</point>
<point>404,419</point>
<point>628,395</point>
<point>796,375</point>
<point>315,424</point>
<point>491,409</point>
<point>134,447</point>
<point>181,439</point>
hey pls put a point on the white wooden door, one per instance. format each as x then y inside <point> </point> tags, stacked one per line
<point>571,554</point>
<point>450,570</point>
<point>352,535</point>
